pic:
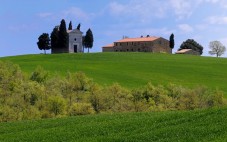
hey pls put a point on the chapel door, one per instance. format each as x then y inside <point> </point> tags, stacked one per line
<point>75,48</point>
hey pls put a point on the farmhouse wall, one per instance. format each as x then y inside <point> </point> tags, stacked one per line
<point>158,45</point>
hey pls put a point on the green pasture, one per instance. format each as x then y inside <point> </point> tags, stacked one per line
<point>133,69</point>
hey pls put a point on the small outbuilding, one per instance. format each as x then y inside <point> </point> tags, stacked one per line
<point>188,51</point>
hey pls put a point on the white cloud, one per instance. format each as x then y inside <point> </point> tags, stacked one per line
<point>182,8</point>
<point>185,28</point>
<point>75,12</point>
<point>146,9</point>
<point>143,9</point>
<point>70,13</point>
<point>217,20</point>
<point>45,14</point>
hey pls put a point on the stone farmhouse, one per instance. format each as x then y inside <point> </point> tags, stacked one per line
<point>142,44</point>
<point>75,43</point>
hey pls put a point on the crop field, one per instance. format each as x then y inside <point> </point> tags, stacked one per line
<point>202,125</point>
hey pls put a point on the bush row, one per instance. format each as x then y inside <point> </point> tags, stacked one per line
<point>39,96</point>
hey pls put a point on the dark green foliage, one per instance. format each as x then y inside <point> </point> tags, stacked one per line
<point>54,38</point>
<point>89,39</point>
<point>191,44</point>
<point>70,26</point>
<point>83,42</point>
<point>44,42</point>
<point>39,75</point>
<point>63,35</point>
<point>78,27</point>
<point>171,41</point>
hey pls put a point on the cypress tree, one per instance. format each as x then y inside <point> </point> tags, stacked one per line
<point>70,26</point>
<point>88,41</point>
<point>171,41</point>
<point>78,27</point>
<point>54,38</point>
<point>63,35</point>
<point>83,42</point>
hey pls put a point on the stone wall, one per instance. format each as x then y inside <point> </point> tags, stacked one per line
<point>107,49</point>
<point>192,52</point>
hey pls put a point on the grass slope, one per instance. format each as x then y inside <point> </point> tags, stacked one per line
<point>134,69</point>
<point>203,125</point>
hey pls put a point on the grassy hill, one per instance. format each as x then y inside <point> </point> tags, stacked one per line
<point>203,125</point>
<point>133,69</point>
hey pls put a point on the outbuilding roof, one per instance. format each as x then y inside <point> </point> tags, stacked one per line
<point>183,51</point>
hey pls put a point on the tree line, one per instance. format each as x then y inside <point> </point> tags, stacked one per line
<point>39,96</point>
<point>59,38</point>
<point>216,47</point>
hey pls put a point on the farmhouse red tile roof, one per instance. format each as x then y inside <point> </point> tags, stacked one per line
<point>183,50</point>
<point>138,39</point>
<point>109,46</point>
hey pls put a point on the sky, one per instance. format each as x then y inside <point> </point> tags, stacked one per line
<point>23,21</point>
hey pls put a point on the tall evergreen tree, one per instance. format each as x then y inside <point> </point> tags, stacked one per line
<point>44,42</point>
<point>78,27</point>
<point>70,26</point>
<point>88,41</point>
<point>54,38</point>
<point>171,41</point>
<point>83,42</point>
<point>63,35</point>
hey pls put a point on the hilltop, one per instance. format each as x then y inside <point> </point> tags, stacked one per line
<point>133,69</point>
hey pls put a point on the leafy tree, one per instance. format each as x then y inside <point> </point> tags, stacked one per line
<point>63,35</point>
<point>44,42</point>
<point>70,26</point>
<point>191,44</point>
<point>54,38</point>
<point>88,40</point>
<point>39,75</point>
<point>217,48</point>
<point>78,27</point>
<point>57,105</point>
<point>171,41</point>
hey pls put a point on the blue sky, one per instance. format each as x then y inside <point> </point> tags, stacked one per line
<point>23,21</point>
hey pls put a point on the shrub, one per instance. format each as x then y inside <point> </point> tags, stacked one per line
<point>116,98</point>
<point>39,75</point>
<point>81,109</point>
<point>56,105</point>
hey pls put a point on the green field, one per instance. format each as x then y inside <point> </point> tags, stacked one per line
<point>203,125</point>
<point>133,69</point>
